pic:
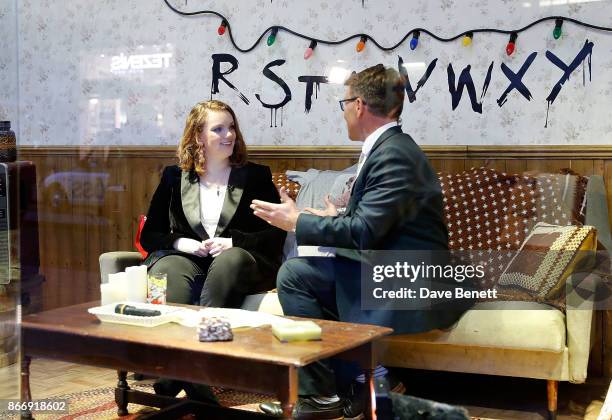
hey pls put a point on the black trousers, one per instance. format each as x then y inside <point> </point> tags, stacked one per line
<point>307,288</point>
<point>222,281</point>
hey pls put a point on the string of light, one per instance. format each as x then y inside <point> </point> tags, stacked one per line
<point>414,34</point>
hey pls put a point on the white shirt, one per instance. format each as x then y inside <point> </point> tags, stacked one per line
<point>323,251</point>
<point>369,143</point>
<point>211,203</point>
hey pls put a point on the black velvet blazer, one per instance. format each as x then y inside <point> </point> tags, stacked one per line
<point>175,213</point>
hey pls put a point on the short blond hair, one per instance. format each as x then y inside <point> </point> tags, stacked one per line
<point>190,153</point>
<point>382,89</point>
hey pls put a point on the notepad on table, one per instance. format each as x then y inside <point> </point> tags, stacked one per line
<point>297,331</point>
<point>239,318</point>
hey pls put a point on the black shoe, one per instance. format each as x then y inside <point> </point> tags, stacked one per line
<point>353,408</point>
<point>200,392</point>
<point>354,403</point>
<point>396,386</point>
<point>306,409</point>
<point>167,387</point>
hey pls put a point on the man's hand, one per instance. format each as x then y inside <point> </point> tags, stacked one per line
<point>283,215</point>
<point>216,246</point>
<point>329,210</point>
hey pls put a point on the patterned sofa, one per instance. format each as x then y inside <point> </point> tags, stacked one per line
<point>521,337</point>
<point>490,210</point>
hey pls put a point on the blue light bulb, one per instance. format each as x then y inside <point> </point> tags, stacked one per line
<point>414,42</point>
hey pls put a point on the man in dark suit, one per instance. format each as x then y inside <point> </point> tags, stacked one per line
<point>395,204</point>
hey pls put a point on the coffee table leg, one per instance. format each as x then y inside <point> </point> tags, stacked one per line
<point>26,394</point>
<point>288,391</point>
<point>370,407</point>
<point>365,356</point>
<point>121,398</point>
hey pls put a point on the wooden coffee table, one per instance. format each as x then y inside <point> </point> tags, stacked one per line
<point>254,361</point>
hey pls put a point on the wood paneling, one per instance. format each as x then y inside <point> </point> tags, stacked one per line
<point>78,225</point>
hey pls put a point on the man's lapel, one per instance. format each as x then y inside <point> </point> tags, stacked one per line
<point>235,188</point>
<point>357,185</point>
<point>190,199</point>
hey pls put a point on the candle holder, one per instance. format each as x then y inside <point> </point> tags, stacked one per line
<point>8,143</point>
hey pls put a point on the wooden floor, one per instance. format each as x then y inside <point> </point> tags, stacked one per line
<point>484,396</point>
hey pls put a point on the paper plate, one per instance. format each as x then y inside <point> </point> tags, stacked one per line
<point>107,313</point>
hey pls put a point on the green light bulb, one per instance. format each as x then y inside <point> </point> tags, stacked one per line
<point>557,30</point>
<point>272,36</point>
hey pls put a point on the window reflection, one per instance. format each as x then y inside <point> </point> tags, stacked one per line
<point>123,94</point>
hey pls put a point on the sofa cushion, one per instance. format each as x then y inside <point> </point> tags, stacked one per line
<point>492,212</point>
<point>580,183</point>
<point>315,185</point>
<point>547,257</point>
<point>263,302</point>
<point>487,211</point>
<point>280,180</point>
<point>519,326</point>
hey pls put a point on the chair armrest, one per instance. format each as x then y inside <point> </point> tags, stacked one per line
<point>580,311</point>
<point>597,210</point>
<point>117,261</point>
<point>579,317</point>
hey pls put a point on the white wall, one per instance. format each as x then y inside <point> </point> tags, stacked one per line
<point>68,94</point>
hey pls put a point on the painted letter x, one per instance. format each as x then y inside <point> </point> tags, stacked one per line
<point>516,80</point>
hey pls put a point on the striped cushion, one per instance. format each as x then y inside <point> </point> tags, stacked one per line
<point>547,257</point>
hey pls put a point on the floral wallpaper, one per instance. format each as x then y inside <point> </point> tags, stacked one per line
<point>8,63</point>
<point>111,72</point>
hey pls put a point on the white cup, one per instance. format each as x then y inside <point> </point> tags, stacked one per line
<point>109,293</point>
<point>119,284</point>
<point>136,277</point>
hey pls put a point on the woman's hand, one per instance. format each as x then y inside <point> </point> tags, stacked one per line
<point>329,210</point>
<point>191,246</point>
<point>215,246</point>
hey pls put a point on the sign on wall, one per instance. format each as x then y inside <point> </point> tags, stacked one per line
<point>110,73</point>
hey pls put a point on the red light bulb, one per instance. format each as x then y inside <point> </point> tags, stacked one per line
<point>511,44</point>
<point>310,50</point>
<point>222,27</point>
